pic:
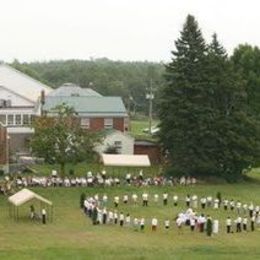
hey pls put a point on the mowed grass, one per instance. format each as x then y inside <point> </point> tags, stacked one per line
<point>72,236</point>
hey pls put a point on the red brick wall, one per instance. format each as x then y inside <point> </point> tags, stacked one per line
<point>118,124</point>
<point>2,145</point>
<point>96,124</point>
<point>153,152</point>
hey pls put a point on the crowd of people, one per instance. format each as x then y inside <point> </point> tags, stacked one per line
<point>247,215</point>
<point>93,180</point>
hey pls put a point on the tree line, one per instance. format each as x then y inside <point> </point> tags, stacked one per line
<point>129,80</point>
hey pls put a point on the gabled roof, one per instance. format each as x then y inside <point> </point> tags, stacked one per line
<point>89,106</point>
<point>126,160</point>
<point>24,196</point>
<point>22,84</point>
<point>71,89</point>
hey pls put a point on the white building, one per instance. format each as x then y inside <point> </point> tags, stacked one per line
<point>122,142</point>
<point>19,102</point>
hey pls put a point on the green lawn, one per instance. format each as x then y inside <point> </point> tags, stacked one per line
<point>137,127</point>
<point>72,236</point>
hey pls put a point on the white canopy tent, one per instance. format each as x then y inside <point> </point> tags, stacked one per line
<point>125,160</point>
<point>23,196</point>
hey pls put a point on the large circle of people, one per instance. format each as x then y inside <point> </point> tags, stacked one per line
<point>247,214</point>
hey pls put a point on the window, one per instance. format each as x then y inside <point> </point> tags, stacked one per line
<point>3,119</point>
<point>108,123</point>
<point>18,119</point>
<point>118,146</point>
<point>26,119</point>
<point>10,119</point>
<point>85,123</point>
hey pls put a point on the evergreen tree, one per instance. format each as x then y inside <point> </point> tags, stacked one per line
<point>184,110</point>
<point>205,126</point>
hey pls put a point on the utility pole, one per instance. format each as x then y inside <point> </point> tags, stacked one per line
<point>150,97</point>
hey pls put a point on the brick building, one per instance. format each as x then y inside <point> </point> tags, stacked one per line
<point>96,112</point>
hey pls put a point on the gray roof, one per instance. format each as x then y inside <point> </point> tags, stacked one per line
<point>89,106</point>
<point>71,89</point>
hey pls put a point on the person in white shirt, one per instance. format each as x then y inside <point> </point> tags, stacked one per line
<point>128,220</point>
<point>105,199</point>
<point>188,200</point>
<point>167,224</point>
<point>142,223</point>
<point>238,224</point>
<point>192,223</point>
<point>245,223</point>
<point>145,199</point>
<point>154,224</point>
<point>238,206</point>
<point>228,224</point>
<point>110,217</point>
<point>203,202</point>
<point>44,216</point>
<point>194,201</point>
<point>115,217</point>
<point>175,200</point>
<point>128,178</point>
<point>245,208</point>
<point>257,209</point>
<point>232,204</point>
<point>251,209</point>
<point>216,203</point>
<point>179,223</point>
<point>165,199</point>
<point>116,201</point>
<point>225,203</point>
<point>156,198</point>
<point>121,219</point>
<point>125,199</point>
<point>201,222</point>
<point>104,217</point>
<point>252,222</point>
<point>136,223</point>
<point>209,201</point>
<point>215,229</point>
<point>134,198</point>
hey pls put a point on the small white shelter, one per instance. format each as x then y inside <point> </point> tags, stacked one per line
<point>126,160</point>
<point>23,196</point>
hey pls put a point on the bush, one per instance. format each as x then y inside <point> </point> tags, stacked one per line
<point>71,172</point>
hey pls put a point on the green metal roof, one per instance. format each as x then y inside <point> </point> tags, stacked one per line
<point>88,105</point>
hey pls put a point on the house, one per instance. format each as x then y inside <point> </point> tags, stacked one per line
<point>3,144</point>
<point>19,103</point>
<point>96,112</point>
<point>115,141</point>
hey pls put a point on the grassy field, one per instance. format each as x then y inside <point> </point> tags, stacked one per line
<point>137,127</point>
<point>72,236</point>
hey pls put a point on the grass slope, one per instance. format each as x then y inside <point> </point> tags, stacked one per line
<point>72,236</point>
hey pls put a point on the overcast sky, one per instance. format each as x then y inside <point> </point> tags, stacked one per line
<point>118,29</point>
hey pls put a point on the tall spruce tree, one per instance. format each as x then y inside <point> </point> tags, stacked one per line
<point>203,110</point>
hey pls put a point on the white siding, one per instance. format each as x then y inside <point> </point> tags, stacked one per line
<point>127,143</point>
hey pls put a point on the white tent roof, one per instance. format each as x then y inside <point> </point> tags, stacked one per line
<point>21,84</point>
<point>126,160</point>
<point>24,196</point>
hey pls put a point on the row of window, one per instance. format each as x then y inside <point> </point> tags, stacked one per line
<point>16,119</point>
<point>108,123</point>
